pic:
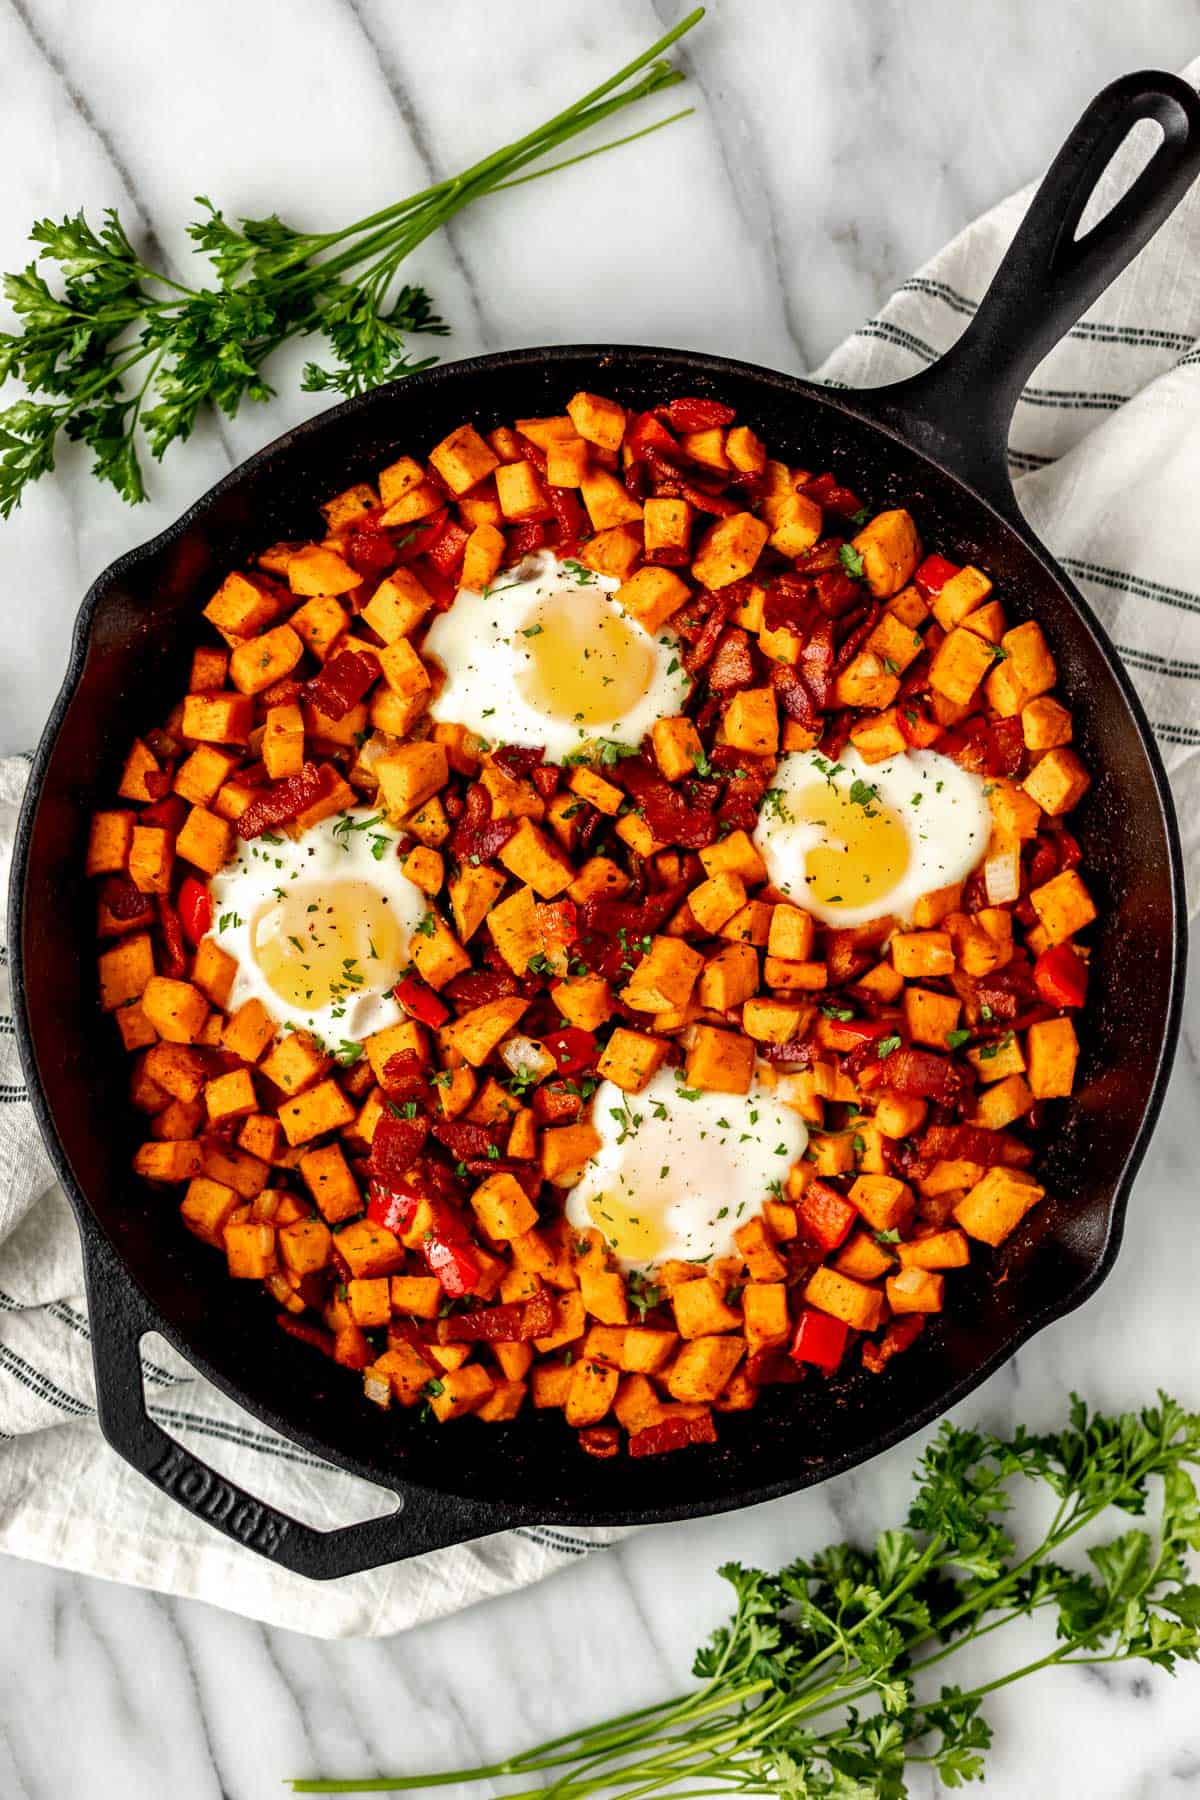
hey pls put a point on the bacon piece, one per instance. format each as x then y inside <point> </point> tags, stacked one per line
<point>974,1143</point>
<point>793,695</point>
<point>508,1323</point>
<point>601,1441</point>
<point>476,987</point>
<point>518,759</point>
<point>477,837</point>
<point>732,663</point>
<point>673,1434</point>
<point>920,1072</point>
<point>831,496</point>
<point>668,814</point>
<point>693,414</point>
<point>123,900</point>
<point>284,801</point>
<point>464,1139</point>
<point>395,1146</point>
<point>370,551</point>
<point>342,682</point>
<point>406,1078</point>
<point>172,931</point>
<point>900,1334</point>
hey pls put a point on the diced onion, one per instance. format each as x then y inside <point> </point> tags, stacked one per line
<point>526,1058</point>
<point>1002,877</point>
<point>376,1388</point>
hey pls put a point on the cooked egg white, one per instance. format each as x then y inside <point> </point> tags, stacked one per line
<point>851,841</point>
<point>320,926</point>
<point>546,656</point>
<point>678,1170</point>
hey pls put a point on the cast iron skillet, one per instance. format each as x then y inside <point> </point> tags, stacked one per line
<point>935,443</point>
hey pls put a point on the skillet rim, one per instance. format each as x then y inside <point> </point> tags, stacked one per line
<point>855,404</point>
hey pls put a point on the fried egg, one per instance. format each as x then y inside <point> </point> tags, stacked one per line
<point>679,1170</point>
<point>851,841</point>
<point>320,926</point>
<point>545,656</point>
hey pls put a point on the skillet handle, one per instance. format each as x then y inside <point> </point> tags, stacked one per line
<point>959,410</point>
<point>119,1320</point>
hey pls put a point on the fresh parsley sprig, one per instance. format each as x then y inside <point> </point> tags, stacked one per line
<point>825,1680</point>
<point>122,353</point>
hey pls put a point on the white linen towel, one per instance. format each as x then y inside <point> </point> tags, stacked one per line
<point>1106,451</point>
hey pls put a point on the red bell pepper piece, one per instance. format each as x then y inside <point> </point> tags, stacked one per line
<point>917,728</point>
<point>826,1217</point>
<point>167,815</point>
<point>832,496</point>
<point>572,1049</point>
<point>195,909</point>
<point>446,554</point>
<point>420,1002</point>
<point>416,539</point>
<point>123,900</point>
<point>555,1104</point>
<point>648,433</point>
<point>819,1339</point>
<point>1060,976</point>
<point>693,414</point>
<point>391,1207</point>
<point>435,583</point>
<point>453,1264</point>
<point>172,931</point>
<point>523,539</point>
<point>370,551</point>
<point>673,1434</point>
<point>848,1034</point>
<point>933,574</point>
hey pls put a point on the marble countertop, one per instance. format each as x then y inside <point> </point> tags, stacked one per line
<point>834,148</point>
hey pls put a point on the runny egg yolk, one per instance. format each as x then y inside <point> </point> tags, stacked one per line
<point>326,942</point>
<point>866,850</point>
<point>637,1237</point>
<point>586,663</point>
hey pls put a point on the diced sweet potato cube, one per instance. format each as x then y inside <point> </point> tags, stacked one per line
<point>151,859</point>
<point>1045,724</point>
<point>668,529</point>
<point>729,978</point>
<point>703,1367</point>
<point>765,1313</point>
<point>409,774</point>
<point>677,747</point>
<point>532,858</point>
<point>310,1114</point>
<point>729,550</point>
<point>752,721</point>
<point>608,504</point>
<point>503,1208</point>
<point>328,1179</point>
<point>205,840</point>
<point>795,523</point>
<point>230,1096</point>
<point>630,1058</point>
<point>884,1202</point>
<point>583,1000</point>
<point>851,1301</point>
<point>878,736</point>
<point>652,596</point>
<point>1053,1050</point>
<point>808,977</point>
<point>863,1259</point>
<point>176,1009</point>
<point>296,1061</point>
<point>737,853</point>
<point>1003,1103</point>
<point>700,1309</point>
<point>250,1250</point>
<point>1063,906</point>
<point>959,664</point>
<point>997,1203</point>
<point>916,1290</point>
<point>866,682</point>
<point>463,459</point>
<point>218,718</point>
<point>369,1249</point>
<point>570,1323</point>
<point>243,605</point>
<point>304,1246</point>
<point>715,900</point>
<point>890,551</point>
<point>600,421</point>
<point>946,1249</point>
<point>917,954</point>
<point>476,1034</point>
<point>110,839</point>
<point>567,462</point>
<point>930,1016</point>
<point>206,1209</point>
<point>791,934</point>
<point>752,925</point>
<point>315,569</point>
<point>262,661</point>
<point>1057,782</point>
<point>566,1150</point>
<point>962,595</point>
<point>472,892</point>
<point>665,977</point>
<point>459,1391</point>
<point>590,1393</point>
<point>757,1248</point>
<point>520,492</point>
<point>895,642</point>
<point>176,1160</point>
<point>397,606</point>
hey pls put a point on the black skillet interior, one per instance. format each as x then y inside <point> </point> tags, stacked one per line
<point>130,655</point>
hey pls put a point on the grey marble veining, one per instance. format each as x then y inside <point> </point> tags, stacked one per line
<point>835,146</point>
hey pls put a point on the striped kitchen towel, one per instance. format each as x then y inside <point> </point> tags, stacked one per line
<point>1106,450</point>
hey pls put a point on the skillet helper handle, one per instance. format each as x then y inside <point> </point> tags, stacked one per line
<point>959,410</point>
<point>425,1521</point>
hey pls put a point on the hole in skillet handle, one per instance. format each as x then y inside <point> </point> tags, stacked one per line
<point>422,1521</point>
<point>958,411</point>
